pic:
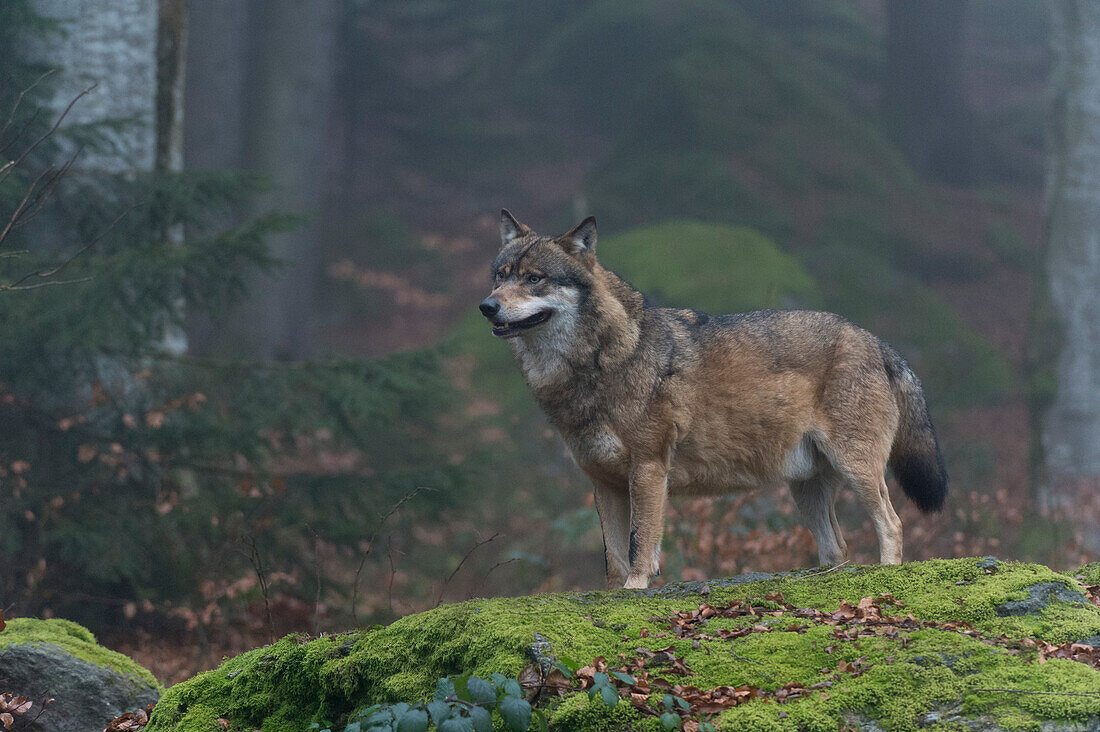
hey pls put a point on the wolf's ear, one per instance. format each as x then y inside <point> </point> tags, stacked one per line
<point>510,228</point>
<point>582,238</point>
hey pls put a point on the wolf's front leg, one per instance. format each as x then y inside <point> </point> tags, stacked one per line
<point>648,489</point>
<point>613,505</point>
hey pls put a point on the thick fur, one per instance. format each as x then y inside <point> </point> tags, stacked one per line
<point>653,401</point>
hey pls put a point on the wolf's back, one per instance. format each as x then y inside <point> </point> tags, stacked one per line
<point>915,457</point>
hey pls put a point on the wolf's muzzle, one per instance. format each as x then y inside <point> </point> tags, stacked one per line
<point>489,307</point>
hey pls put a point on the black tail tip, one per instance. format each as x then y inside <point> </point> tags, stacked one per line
<point>924,480</point>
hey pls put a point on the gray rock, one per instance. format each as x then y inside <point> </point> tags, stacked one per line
<point>86,696</point>
<point>540,653</point>
<point>989,563</point>
<point>1039,596</point>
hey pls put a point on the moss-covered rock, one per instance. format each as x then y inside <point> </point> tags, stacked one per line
<point>58,659</point>
<point>915,677</point>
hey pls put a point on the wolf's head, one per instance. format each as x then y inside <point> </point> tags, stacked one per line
<point>539,282</point>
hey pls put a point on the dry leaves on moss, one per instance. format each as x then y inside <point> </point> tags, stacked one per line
<point>130,721</point>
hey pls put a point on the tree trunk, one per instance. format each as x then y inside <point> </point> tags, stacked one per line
<point>171,52</point>
<point>923,87</point>
<point>110,44</point>
<point>1071,428</point>
<point>272,119</point>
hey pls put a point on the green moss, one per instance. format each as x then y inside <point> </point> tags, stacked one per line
<point>1089,574</point>
<point>292,683</point>
<point>719,269</point>
<point>75,640</point>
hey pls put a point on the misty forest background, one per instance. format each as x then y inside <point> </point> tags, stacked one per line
<point>244,387</point>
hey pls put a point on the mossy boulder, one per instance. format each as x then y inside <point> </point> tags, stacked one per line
<point>89,684</point>
<point>913,677</point>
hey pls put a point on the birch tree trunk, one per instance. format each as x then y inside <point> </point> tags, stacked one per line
<point>1071,427</point>
<point>110,44</point>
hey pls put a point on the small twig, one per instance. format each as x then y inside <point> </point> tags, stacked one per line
<point>549,612</point>
<point>46,135</point>
<point>501,564</point>
<point>393,573</point>
<point>56,270</point>
<point>13,220</point>
<point>833,568</point>
<point>763,667</point>
<point>370,545</point>
<point>439,599</point>
<point>317,574</point>
<point>19,100</point>
<point>51,283</point>
<point>257,565</point>
<point>1046,693</point>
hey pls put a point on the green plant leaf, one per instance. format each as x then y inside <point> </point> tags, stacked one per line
<point>565,670</point>
<point>481,691</point>
<point>568,663</point>
<point>512,688</point>
<point>440,711</point>
<point>483,721</point>
<point>498,679</point>
<point>414,720</point>
<point>516,713</point>
<point>444,689</point>
<point>457,724</point>
<point>670,721</point>
<point>625,678</point>
<point>669,702</point>
<point>609,695</point>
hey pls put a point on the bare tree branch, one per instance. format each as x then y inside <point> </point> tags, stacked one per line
<point>19,100</point>
<point>46,135</point>
<point>52,271</point>
<point>370,545</point>
<point>258,566</point>
<point>439,599</point>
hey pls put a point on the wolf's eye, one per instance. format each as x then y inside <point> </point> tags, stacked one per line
<point>498,277</point>
<point>534,279</point>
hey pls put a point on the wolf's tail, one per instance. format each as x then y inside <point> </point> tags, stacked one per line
<point>915,456</point>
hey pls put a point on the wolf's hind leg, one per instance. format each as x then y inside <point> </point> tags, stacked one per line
<point>613,505</point>
<point>875,497</point>
<point>816,498</point>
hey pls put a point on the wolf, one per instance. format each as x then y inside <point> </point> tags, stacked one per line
<point>653,401</point>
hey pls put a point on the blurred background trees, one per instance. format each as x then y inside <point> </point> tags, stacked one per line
<point>342,440</point>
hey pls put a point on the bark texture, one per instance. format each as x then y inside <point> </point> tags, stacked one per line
<point>1071,434</point>
<point>271,119</point>
<point>110,44</point>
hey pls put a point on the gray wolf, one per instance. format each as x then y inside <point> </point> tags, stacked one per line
<point>653,401</point>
